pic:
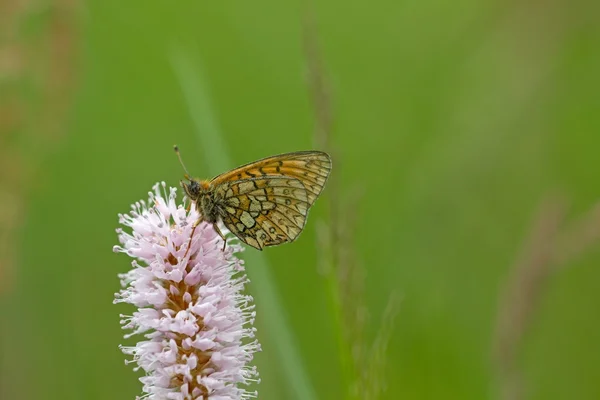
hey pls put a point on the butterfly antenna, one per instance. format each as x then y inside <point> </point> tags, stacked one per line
<point>187,174</point>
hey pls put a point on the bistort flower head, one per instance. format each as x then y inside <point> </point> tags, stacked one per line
<point>197,324</point>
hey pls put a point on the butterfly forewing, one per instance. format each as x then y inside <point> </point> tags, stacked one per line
<point>310,168</point>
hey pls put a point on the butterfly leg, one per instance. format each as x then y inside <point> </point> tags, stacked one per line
<point>192,235</point>
<point>222,236</point>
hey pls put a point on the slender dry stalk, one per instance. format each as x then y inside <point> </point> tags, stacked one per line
<point>30,129</point>
<point>319,87</point>
<point>578,238</point>
<point>11,119</point>
<point>547,250</point>
<point>372,385</point>
<point>364,369</point>
<point>32,122</point>
<point>520,297</point>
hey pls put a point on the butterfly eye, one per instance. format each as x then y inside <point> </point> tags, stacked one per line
<point>195,188</point>
<point>192,189</point>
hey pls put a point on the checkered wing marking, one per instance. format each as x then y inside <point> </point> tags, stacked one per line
<point>311,168</point>
<point>264,211</point>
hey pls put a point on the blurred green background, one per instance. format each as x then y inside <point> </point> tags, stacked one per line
<point>452,123</point>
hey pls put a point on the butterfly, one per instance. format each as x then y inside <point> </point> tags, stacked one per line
<point>263,203</point>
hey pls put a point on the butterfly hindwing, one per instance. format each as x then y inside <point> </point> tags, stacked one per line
<point>264,211</point>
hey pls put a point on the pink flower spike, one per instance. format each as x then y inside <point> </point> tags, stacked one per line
<point>197,324</point>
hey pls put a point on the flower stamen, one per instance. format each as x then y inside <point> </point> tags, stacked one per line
<point>196,323</point>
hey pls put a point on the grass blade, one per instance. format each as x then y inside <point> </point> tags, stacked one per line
<point>194,88</point>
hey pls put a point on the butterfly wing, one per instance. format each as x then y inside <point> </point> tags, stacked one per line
<point>264,211</point>
<point>311,168</point>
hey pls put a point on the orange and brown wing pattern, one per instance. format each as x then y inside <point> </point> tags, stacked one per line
<point>311,168</point>
<point>264,211</point>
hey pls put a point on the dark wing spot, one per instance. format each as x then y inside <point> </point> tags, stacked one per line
<point>288,202</point>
